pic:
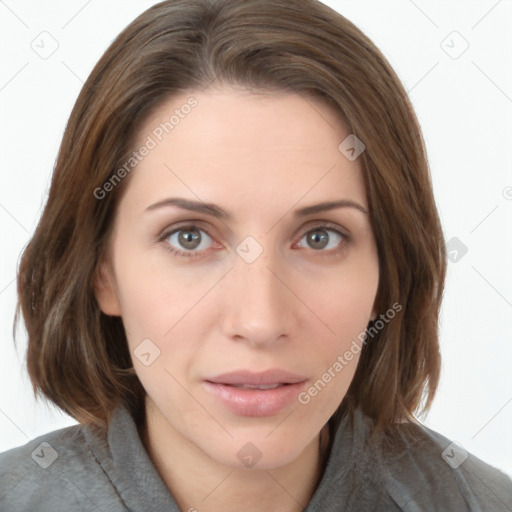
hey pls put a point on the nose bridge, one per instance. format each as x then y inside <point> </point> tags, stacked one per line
<point>258,308</point>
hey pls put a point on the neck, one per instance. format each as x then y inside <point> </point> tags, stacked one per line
<point>199,483</point>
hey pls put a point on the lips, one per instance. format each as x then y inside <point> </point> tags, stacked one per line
<point>255,394</point>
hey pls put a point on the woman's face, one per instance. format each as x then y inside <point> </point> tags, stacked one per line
<point>242,296</point>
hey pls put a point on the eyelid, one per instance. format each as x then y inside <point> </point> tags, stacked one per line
<point>316,224</point>
<point>192,223</point>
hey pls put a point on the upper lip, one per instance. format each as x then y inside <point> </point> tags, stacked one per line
<point>274,376</point>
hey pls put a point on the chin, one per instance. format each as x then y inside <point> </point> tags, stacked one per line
<point>256,451</point>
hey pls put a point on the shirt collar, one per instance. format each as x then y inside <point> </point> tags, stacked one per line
<point>135,478</point>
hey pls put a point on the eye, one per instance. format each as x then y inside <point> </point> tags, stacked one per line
<point>187,241</point>
<point>192,241</point>
<point>323,239</point>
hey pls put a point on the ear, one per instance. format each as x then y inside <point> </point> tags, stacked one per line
<point>374,314</point>
<point>105,290</point>
<point>376,306</point>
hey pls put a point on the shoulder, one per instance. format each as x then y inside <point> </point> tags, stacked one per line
<point>425,469</point>
<point>52,470</point>
<point>407,467</point>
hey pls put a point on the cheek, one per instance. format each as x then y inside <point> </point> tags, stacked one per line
<point>345,300</point>
<point>154,294</point>
<point>164,315</point>
<point>344,304</point>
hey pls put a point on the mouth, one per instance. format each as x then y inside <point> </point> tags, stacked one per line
<point>255,394</point>
<point>255,386</point>
<point>274,377</point>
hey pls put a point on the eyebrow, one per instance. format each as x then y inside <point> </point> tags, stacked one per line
<point>219,213</point>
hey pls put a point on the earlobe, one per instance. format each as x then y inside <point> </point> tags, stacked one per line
<point>105,291</point>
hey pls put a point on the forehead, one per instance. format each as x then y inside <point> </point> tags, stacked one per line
<point>242,121</point>
<point>238,145</point>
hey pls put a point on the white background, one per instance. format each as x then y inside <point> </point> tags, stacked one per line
<point>464,106</point>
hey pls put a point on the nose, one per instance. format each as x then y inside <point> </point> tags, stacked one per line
<point>259,307</point>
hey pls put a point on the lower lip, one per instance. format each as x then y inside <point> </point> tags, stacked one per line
<point>254,402</point>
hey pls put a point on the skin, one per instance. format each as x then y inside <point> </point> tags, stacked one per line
<point>297,306</point>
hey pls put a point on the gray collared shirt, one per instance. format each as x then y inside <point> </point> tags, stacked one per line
<point>80,468</point>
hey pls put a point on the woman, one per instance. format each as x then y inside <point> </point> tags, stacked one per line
<point>235,284</point>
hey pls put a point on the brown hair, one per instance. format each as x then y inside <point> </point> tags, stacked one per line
<point>77,356</point>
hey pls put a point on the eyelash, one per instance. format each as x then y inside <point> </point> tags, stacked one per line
<point>195,254</point>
